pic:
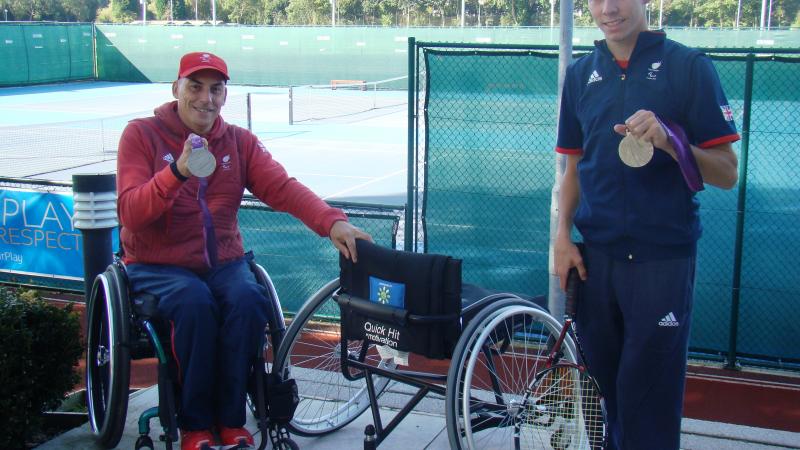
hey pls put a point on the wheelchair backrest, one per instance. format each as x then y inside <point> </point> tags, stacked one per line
<point>407,301</point>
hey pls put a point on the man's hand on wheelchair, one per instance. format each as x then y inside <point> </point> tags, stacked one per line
<point>567,256</point>
<point>343,235</point>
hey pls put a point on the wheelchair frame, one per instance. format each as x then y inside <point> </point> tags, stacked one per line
<point>118,332</point>
<point>336,365</point>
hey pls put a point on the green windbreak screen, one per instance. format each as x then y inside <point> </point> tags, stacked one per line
<point>45,53</point>
<point>490,131</point>
<point>281,56</point>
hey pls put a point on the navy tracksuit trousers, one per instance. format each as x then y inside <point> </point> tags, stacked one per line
<point>633,322</point>
<point>217,322</point>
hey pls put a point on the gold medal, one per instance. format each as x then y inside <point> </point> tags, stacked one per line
<point>201,162</point>
<point>634,152</point>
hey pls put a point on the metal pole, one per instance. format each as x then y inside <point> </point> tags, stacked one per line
<point>144,11</point>
<point>409,229</point>
<point>214,12</point>
<point>769,16</point>
<point>731,362</point>
<point>249,113</point>
<point>463,10</point>
<point>660,14</point>
<point>763,13</point>
<point>555,302</point>
<point>738,12</point>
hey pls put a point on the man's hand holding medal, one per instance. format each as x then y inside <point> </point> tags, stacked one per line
<point>643,131</point>
<point>196,159</point>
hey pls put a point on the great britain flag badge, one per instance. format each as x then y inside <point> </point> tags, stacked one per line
<point>727,112</point>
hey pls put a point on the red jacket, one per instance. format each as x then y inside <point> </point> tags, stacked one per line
<point>161,218</point>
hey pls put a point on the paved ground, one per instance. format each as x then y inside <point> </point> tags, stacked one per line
<point>426,430</point>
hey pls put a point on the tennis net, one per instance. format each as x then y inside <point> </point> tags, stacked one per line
<point>343,100</point>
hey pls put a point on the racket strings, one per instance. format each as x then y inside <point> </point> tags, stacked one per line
<point>562,410</point>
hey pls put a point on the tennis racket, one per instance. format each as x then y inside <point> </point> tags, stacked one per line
<point>563,407</point>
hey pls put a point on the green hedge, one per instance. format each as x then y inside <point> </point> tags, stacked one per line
<point>40,345</point>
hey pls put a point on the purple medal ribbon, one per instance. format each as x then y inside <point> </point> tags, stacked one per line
<point>208,226</point>
<point>209,236</point>
<point>686,162</point>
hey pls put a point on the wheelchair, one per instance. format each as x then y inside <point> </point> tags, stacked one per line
<point>123,325</point>
<point>395,318</point>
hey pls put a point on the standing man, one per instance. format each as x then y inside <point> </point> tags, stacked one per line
<point>181,177</point>
<point>640,225</point>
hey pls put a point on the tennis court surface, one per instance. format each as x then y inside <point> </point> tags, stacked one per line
<point>345,144</point>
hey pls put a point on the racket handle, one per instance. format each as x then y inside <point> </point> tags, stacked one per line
<point>571,291</point>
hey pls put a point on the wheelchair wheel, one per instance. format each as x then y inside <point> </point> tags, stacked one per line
<point>108,356</point>
<point>497,358</point>
<point>310,353</point>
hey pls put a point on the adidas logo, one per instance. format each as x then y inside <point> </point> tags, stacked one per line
<point>594,77</point>
<point>669,321</point>
<point>168,158</point>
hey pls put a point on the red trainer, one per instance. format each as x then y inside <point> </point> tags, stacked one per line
<point>235,438</point>
<point>197,440</point>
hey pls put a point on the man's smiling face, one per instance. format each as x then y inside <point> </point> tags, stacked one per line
<point>200,96</point>
<point>619,20</point>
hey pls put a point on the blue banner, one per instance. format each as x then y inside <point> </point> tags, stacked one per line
<point>387,292</point>
<point>37,236</point>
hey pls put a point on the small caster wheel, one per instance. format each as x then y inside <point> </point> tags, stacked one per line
<point>286,444</point>
<point>144,442</point>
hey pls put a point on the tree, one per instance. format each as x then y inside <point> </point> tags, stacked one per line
<point>308,12</point>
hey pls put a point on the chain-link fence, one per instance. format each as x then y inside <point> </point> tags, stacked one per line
<point>483,149</point>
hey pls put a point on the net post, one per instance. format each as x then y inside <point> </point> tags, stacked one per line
<point>291,112</point>
<point>249,114</point>
<point>409,230</point>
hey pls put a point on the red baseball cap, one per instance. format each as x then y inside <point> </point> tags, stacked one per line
<point>193,62</point>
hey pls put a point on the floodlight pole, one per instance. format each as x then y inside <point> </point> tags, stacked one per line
<point>214,12</point>
<point>463,9</point>
<point>738,13</point>
<point>144,11</point>
<point>763,13</point>
<point>661,14</point>
<point>333,13</point>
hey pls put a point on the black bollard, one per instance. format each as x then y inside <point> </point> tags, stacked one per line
<point>95,214</point>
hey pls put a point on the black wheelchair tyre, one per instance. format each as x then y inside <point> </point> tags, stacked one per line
<point>108,356</point>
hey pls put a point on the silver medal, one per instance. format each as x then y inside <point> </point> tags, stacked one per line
<point>201,162</point>
<point>634,152</point>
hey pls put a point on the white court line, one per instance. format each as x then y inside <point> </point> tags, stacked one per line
<point>359,186</point>
<point>329,175</point>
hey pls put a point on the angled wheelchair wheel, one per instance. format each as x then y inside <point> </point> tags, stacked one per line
<point>108,356</point>
<point>494,364</point>
<point>310,353</point>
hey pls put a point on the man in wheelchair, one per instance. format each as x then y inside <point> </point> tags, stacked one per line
<point>180,179</point>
